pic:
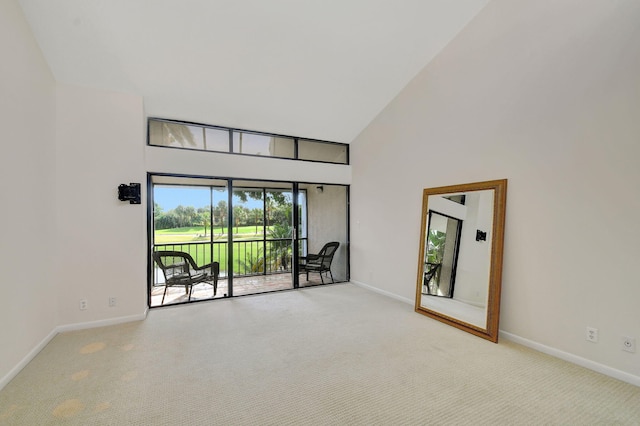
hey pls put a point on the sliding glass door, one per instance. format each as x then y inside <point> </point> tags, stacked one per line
<point>262,237</point>
<point>190,215</point>
<point>258,232</point>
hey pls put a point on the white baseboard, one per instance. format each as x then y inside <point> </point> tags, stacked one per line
<point>383,292</point>
<point>60,329</point>
<point>574,359</point>
<point>27,359</point>
<point>101,323</point>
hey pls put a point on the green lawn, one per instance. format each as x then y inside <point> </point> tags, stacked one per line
<point>192,234</point>
<point>243,253</point>
<point>193,241</point>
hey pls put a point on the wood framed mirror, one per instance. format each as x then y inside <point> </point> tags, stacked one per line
<point>460,261</point>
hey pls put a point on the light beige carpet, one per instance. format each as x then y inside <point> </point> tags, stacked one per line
<point>331,355</point>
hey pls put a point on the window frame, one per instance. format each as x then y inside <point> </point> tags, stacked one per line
<point>233,130</point>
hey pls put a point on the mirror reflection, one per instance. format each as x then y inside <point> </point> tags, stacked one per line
<point>461,255</point>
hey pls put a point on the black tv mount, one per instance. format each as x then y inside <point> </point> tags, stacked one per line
<point>129,193</point>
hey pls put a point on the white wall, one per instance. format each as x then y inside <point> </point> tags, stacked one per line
<point>327,215</point>
<point>547,94</point>
<point>101,241</point>
<point>474,258</point>
<point>28,305</point>
<point>168,160</point>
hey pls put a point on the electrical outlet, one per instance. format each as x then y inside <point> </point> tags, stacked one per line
<point>83,304</point>
<point>592,334</point>
<point>629,344</point>
<point>112,302</point>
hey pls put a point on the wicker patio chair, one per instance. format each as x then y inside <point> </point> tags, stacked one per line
<point>180,269</point>
<point>321,262</point>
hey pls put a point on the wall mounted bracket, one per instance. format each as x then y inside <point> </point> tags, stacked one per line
<point>129,193</point>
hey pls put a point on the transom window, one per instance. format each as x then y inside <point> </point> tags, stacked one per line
<point>202,137</point>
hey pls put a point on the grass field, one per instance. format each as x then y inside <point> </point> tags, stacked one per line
<point>183,235</point>
<point>245,253</point>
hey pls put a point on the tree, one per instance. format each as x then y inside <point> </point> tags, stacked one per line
<point>245,195</point>
<point>178,133</point>
<point>180,214</point>
<point>240,215</point>
<point>170,220</point>
<point>220,211</point>
<point>204,216</point>
<point>280,198</point>
<point>191,216</point>
<point>281,214</point>
<point>256,217</point>
<point>435,246</point>
<point>157,210</point>
<point>281,247</point>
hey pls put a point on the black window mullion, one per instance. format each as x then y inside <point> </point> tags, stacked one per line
<point>230,268</point>
<point>264,230</point>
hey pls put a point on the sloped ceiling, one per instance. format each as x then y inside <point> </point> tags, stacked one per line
<point>319,69</point>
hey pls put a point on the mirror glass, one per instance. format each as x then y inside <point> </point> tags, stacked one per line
<point>460,260</point>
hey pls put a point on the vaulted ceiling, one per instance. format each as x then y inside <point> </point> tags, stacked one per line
<point>319,69</point>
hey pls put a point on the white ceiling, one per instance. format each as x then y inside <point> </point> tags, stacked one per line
<point>313,68</point>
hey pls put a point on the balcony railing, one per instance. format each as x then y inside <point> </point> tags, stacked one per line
<point>250,257</point>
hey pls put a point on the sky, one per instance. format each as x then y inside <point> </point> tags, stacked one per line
<point>169,197</point>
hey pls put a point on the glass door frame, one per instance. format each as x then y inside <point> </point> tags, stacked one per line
<point>265,188</point>
<point>296,243</point>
